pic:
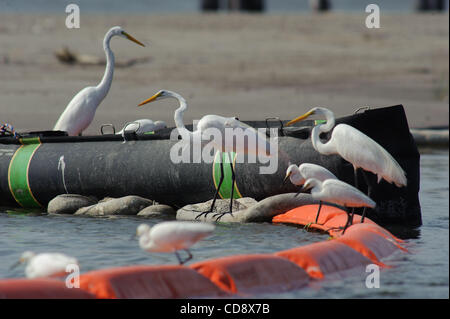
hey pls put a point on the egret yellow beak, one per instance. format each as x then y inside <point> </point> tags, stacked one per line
<point>287,177</point>
<point>153,98</point>
<point>129,37</point>
<point>300,118</point>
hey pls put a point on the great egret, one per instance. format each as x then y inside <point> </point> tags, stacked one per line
<point>220,123</point>
<point>338,192</point>
<point>45,264</point>
<point>142,126</point>
<point>172,236</point>
<point>80,111</point>
<point>356,148</point>
<point>299,174</point>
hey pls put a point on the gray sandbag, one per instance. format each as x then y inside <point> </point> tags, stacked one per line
<point>189,212</point>
<point>262,211</point>
<point>127,205</point>
<point>69,203</point>
<point>159,210</point>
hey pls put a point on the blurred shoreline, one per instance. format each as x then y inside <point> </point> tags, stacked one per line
<point>250,66</point>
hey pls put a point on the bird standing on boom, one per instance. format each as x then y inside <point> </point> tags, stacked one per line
<point>80,111</point>
<point>355,147</point>
<point>299,174</point>
<point>220,123</point>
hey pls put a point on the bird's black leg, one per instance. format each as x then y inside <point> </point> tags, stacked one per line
<point>349,221</point>
<point>233,181</point>
<point>189,256</point>
<point>180,261</point>
<point>216,193</point>
<point>355,173</point>
<point>178,257</point>
<point>318,211</point>
<point>369,192</point>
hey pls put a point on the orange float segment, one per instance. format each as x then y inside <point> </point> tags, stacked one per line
<point>370,244</point>
<point>253,273</point>
<point>325,258</point>
<point>330,219</point>
<point>149,282</point>
<point>376,229</point>
<point>41,288</point>
<point>306,214</point>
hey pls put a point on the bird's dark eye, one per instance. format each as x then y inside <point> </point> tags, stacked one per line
<point>236,118</point>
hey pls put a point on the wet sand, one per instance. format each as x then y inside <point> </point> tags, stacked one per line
<point>250,66</point>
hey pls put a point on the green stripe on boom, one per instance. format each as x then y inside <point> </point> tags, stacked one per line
<point>18,173</point>
<point>225,189</point>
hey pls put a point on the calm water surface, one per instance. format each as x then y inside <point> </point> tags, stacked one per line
<point>105,242</point>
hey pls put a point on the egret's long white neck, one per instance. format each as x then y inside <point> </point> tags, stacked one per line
<point>105,83</point>
<point>178,116</point>
<point>323,148</point>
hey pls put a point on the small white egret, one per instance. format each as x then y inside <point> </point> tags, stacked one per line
<point>80,111</point>
<point>172,236</point>
<point>220,123</point>
<point>45,264</point>
<point>355,147</point>
<point>299,174</point>
<point>143,126</point>
<point>338,192</point>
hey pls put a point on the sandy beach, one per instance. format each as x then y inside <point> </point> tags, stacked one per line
<point>250,66</point>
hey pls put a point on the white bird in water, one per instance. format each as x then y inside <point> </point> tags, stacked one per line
<point>356,148</point>
<point>142,126</point>
<point>299,174</point>
<point>338,192</point>
<point>168,237</point>
<point>80,111</point>
<point>45,264</point>
<point>221,124</point>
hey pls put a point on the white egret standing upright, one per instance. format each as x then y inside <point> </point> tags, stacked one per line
<point>356,148</point>
<point>80,111</point>
<point>338,192</point>
<point>45,264</point>
<point>172,236</point>
<point>221,123</point>
<point>299,174</point>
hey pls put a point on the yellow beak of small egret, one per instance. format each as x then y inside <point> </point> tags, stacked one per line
<point>305,187</point>
<point>153,98</point>
<point>300,118</point>
<point>287,177</point>
<point>129,37</point>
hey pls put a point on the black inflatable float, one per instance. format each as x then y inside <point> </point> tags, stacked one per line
<point>35,167</point>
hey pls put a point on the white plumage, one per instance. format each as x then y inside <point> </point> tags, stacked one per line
<point>261,145</point>
<point>338,192</point>
<point>299,174</point>
<point>45,264</point>
<point>355,147</point>
<point>143,125</point>
<point>172,236</point>
<point>80,111</point>
<point>219,123</point>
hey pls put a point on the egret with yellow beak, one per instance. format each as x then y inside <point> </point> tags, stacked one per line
<point>80,111</point>
<point>355,147</point>
<point>299,174</point>
<point>220,123</point>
